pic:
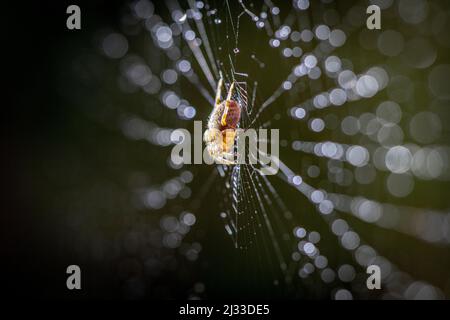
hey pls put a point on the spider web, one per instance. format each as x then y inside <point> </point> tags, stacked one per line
<point>297,74</point>
<point>253,206</point>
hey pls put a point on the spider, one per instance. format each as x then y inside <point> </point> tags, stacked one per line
<point>222,125</point>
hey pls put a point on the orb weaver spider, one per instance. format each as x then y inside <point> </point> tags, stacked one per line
<point>222,125</point>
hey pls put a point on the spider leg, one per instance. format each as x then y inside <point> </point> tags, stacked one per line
<point>227,105</point>
<point>219,90</point>
<point>223,160</point>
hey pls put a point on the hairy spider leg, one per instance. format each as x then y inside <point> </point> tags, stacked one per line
<point>219,90</point>
<point>227,105</point>
<point>228,137</point>
<point>223,160</point>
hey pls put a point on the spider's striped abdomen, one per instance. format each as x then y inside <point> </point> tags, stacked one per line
<point>233,115</point>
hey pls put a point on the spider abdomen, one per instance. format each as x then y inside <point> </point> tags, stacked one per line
<point>233,115</point>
